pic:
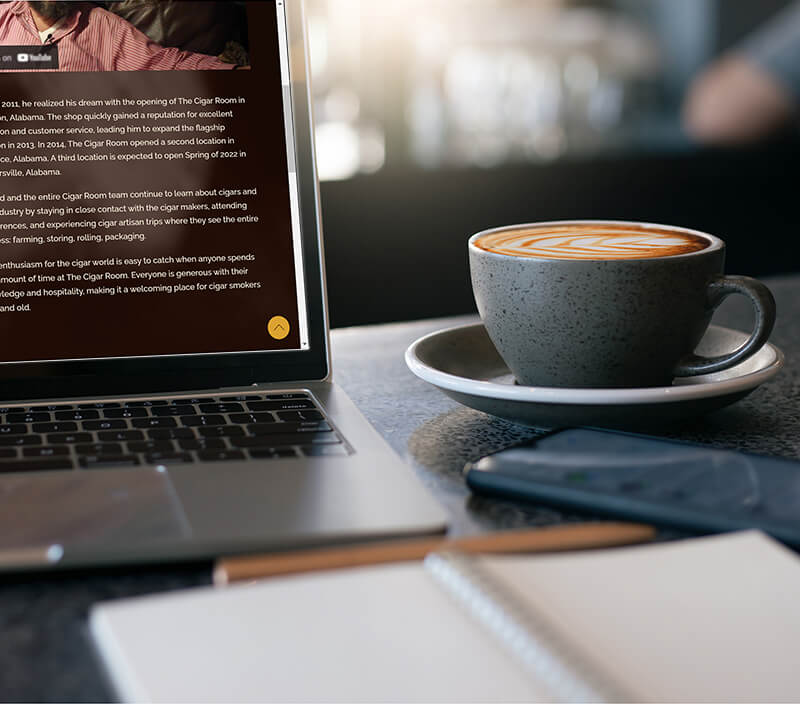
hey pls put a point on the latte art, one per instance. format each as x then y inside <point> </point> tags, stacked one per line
<point>592,242</point>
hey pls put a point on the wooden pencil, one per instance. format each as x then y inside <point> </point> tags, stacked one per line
<point>553,538</point>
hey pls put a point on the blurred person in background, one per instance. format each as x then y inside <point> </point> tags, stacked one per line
<point>90,38</point>
<point>753,91</point>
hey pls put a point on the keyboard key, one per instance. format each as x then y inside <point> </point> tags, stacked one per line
<point>173,410</point>
<point>221,408</point>
<point>44,451</point>
<point>52,407</point>
<point>105,425</point>
<point>13,429</point>
<point>29,417</point>
<point>168,458</point>
<point>258,417</point>
<point>96,461</point>
<point>116,436</point>
<point>261,453</point>
<point>287,395</point>
<point>286,405</point>
<point>99,449</point>
<point>77,415</point>
<point>168,433</point>
<point>311,415</point>
<point>79,437</point>
<point>37,464</point>
<point>204,420</point>
<point>100,405</point>
<point>54,426</point>
<point>125,413</point>
<point>193,400</point>
<point>151,446</point>
<point>219,431</point>
<point>261,429</point>
<point>12,409</point>
<point>277,440</point>
<point>313,451</point>
<point>154,422</point>
<point>201,444</point>
<point>29,440</point>
<point>8,452</point>
<point>145,403</point>
<point>220,455</point>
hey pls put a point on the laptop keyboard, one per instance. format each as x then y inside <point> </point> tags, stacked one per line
<point>164,432</point>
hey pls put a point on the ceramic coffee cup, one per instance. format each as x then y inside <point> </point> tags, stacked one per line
<point>606,303</point>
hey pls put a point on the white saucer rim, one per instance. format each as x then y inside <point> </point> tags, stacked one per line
<point>561,395</point>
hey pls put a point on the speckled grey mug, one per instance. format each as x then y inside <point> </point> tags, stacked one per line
<point>581,314</point>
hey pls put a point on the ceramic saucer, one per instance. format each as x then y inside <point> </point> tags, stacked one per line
<point>465,365</point>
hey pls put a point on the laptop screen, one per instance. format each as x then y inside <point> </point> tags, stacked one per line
<point>149,191</point>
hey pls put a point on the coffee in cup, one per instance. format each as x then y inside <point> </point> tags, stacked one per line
<point>591,304</point>
<point>600,241</point>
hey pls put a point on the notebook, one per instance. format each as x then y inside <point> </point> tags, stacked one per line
<point>166,385</point>
<point>701,620</point>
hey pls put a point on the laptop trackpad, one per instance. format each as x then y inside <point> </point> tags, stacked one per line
<point>85,508</point>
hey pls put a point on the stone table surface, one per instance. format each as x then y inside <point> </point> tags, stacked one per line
<point>45,650</point>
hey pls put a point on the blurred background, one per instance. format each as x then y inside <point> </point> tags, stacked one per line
<point>439,118</point>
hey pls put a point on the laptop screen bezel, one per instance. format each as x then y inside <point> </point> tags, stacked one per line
<point>144,375</point>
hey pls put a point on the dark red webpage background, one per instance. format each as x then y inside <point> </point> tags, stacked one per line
<point>160,323</point>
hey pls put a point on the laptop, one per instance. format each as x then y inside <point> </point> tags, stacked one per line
<point>165,373</point>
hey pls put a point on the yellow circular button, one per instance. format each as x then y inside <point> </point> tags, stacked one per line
<point>278,327</point>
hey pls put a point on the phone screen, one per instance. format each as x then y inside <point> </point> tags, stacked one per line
<point>627,473</point>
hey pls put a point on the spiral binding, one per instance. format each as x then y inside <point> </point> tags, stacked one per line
<point>542,652</point>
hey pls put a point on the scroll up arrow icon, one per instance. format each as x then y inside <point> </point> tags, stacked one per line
<point>278,327</point>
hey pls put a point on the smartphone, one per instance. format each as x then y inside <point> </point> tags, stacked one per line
<point>644,478</point>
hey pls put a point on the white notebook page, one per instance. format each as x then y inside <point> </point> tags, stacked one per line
<point>365,635</point>
<point>708,620</point>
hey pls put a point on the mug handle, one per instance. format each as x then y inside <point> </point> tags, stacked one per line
<point>764,304</point>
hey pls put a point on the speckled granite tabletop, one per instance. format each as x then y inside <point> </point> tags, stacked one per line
<point>45,651</point>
